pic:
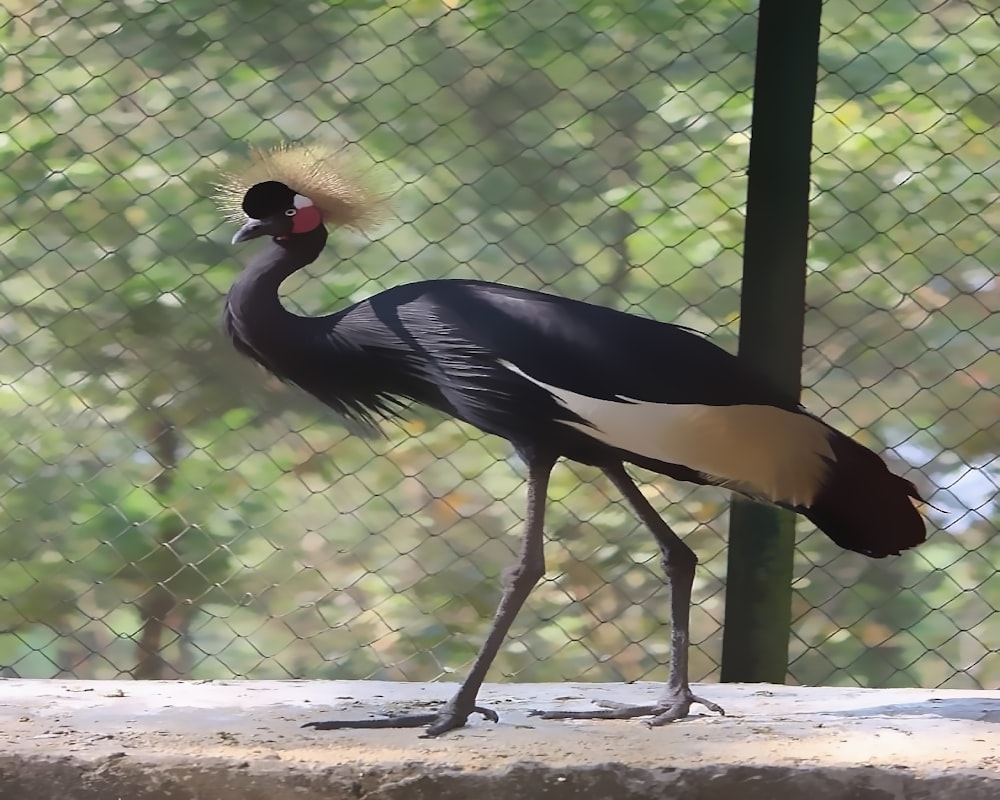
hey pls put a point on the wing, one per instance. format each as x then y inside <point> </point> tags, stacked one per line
<point>651,393</point>
<point>598,351</point>
<point>667,399</point>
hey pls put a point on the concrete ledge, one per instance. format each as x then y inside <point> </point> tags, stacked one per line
<point>82,740</point>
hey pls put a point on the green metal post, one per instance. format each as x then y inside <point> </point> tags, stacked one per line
<point>761,539</point>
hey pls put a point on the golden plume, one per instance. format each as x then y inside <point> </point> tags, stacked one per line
<point>338,188</point>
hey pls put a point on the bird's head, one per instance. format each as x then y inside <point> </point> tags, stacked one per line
<point>291,190</point>
<point>274,209</point>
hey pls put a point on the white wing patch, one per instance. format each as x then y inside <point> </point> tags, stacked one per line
<point>779,455</point>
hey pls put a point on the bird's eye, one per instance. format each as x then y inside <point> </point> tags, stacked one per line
<point>290,212</point>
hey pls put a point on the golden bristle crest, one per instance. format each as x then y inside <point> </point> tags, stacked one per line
<point>325,175</point>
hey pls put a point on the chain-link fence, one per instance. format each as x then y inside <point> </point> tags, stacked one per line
<point>168,510</point>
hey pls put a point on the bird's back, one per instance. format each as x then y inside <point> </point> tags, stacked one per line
<point>575,345</point>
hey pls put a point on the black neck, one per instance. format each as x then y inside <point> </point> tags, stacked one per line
<point>253,297</point>
<point>254,316</point>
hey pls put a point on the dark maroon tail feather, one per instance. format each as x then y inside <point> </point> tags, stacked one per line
<point>865,508</point>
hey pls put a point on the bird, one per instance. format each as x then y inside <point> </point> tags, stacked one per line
<point>557,378</point>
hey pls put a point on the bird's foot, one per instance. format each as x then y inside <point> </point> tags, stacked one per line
<point>673,707</point>
<point>447,719</point>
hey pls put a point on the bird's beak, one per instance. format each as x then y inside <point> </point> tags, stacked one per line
<point>253,229</point>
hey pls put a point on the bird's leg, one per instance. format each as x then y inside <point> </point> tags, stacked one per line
<point>679,563</point>
<point>518,583</point>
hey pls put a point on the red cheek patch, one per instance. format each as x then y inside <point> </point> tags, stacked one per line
<point>306,219</point>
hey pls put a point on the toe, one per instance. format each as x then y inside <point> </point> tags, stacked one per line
<point>672,714</point>
<point>487,713</point>
<point>709,705</point>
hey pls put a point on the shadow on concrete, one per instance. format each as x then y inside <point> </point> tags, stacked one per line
<point>986,709</point>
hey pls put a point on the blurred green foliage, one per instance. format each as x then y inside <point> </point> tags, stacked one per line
<point>161,494</point>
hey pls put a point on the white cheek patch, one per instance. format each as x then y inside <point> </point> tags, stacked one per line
<point>782,456</point>
<point>300,201</point>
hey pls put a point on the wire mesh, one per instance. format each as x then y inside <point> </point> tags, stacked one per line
<point>170,511</point>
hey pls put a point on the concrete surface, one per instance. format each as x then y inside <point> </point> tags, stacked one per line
<point>81,740</point>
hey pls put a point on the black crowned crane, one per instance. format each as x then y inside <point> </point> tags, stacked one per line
<point>557,378</point>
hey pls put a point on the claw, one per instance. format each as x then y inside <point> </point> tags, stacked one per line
<point>488,713</point>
